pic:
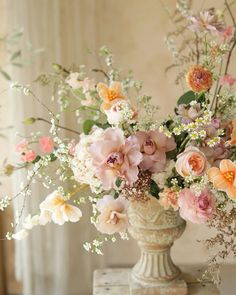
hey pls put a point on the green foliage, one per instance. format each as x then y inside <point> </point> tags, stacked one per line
<point>186,98</point>
<point>29,121</point>
<point>88,125</point>
<point>36,159</point>
<point>5,75</point>
<point>118,182</point>
<point>154,189</point>
<point>53,157</point>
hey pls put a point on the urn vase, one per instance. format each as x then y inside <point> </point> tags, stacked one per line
<point>155,230</point>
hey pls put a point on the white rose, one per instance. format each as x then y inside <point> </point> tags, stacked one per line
<point>119,112</point>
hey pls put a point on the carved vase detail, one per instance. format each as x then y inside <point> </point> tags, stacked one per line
<point>155,229</point>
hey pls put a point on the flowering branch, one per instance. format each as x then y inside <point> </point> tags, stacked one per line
<point>57,125</point>
<point>216,97</point>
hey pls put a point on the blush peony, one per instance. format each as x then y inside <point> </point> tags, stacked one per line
<point>114,157</point>
<point>197,209</point>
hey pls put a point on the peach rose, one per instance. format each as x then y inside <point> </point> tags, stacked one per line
<point>169,199</point>
<point>191,162</point>
<point>113,217</point>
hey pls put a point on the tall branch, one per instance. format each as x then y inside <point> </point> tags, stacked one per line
<point>59,126</point>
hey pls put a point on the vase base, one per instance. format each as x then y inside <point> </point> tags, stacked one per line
<point>176,287</point>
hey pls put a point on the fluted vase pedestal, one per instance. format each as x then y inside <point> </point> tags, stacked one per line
<point>155,230</point>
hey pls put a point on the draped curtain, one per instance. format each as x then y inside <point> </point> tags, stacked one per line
<point>52,260</point>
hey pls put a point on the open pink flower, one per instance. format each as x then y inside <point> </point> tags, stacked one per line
<point>154,146</point>
<point>113,217</point>
<point>114,156</point>
<point>191,162</point>
<point>46,144</point>
<point>197,209</point>
<point>22,146</point>
<point>227,80</point>
<point>28,156</point>
<point>207,20</point>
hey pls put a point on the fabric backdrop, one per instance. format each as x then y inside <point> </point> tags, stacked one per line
<point>52,260</point>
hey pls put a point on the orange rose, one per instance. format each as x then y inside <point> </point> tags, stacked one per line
<point>199,78</point>
<point>191,162</point>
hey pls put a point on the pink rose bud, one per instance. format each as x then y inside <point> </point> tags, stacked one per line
<point>46,144</point>
<point>22,146</point>
<point>28,156</point>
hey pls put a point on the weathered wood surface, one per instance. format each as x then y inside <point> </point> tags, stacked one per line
<point>116,282</point>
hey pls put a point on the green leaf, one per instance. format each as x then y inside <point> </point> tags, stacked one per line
<point>171,154</point>
<point>15,55</point>
<point>186,98</point>
<point>5,75</point>
<point>154,189</point>
<point>29,121</point>
<point>53,157</point>
<point>118,182</point>
<point>87,126</point>
<point>36,159</point>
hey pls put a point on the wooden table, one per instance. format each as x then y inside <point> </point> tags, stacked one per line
<point>116,282</point>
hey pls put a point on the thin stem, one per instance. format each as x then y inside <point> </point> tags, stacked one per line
<point>230,13</point>
<point>77,190</point>
<point>217,84</point>
<point>57,125</point>
<point>229,54</point>
<point>42,103</point>
<point>101,71</point>
<point>197,48</point>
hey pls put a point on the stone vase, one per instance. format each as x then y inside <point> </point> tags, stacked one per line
<point>155,230</point>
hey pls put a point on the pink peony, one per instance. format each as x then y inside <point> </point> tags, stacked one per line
<point>114,156</point>
<point>22,146</point>
<point>28,156</point>
<point>154,146</point>
<point>46,144</point>
<point>113,217</point>
<point>191,162</point>
<point>227,80</point>
<point>197,209</point>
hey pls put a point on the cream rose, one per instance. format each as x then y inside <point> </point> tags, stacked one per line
<point>191,162</point>
<point>113,217</point>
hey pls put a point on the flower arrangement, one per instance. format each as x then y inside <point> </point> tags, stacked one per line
<point>125,153</point>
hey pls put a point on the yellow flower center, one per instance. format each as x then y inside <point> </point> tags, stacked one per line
<point>229,176</point>
<point>112,95</point>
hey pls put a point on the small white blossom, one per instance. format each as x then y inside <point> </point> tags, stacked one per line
<point>31,221</point>
<point>20,235</point>
<point>4,203</point>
